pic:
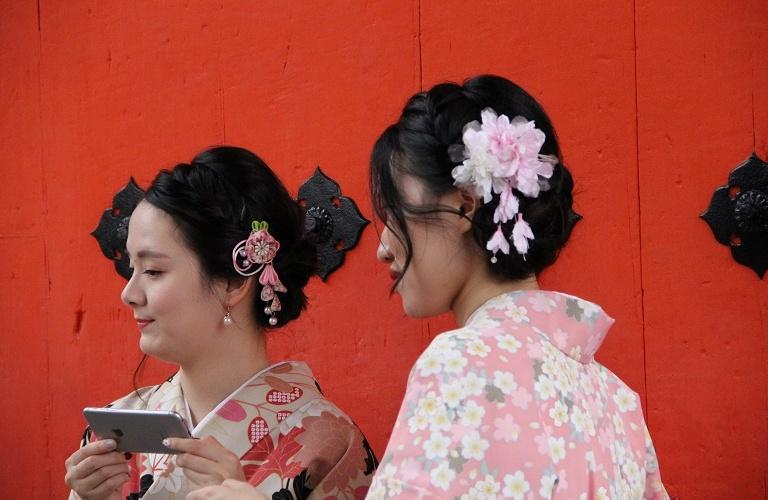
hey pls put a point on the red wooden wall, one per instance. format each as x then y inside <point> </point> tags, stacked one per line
<point>655,102</point>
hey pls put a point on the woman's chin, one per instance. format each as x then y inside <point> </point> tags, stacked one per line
<point>415,310</point>
<point>150,347</point>
<point>421,308</point>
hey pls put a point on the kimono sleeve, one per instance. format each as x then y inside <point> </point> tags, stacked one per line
<point>420,460</point>
<point>443,440</point>
<point>654,489</point>
<point>324,455</point>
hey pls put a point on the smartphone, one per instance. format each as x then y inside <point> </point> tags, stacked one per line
<point>139,431</point>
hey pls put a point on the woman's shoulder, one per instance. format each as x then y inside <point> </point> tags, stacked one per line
<point>313,404</point>
<point>324,409</point>
<point>331,447</point>
<point>453,350</point>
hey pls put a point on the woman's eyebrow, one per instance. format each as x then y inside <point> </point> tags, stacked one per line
<point>148,254</point>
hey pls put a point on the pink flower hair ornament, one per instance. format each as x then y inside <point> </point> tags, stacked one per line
<point>255,255</point>
<point>500,157</point>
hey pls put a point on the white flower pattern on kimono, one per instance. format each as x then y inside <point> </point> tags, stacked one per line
<point>442,476</point>
<point>515,485</point>
<point>529,414</point>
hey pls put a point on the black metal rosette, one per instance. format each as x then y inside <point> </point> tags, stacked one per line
<point>738,214</point>
<point>112,231</point>
<point>333,220</point>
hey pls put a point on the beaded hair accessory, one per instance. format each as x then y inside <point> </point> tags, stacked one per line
<point>255,255</point>
<point>502,157</point>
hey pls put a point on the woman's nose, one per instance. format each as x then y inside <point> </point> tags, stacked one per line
<point>382,252</point>
<point>131,295</point>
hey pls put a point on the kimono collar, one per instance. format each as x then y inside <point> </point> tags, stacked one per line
<point>277,376</point>
<point>576,327</point>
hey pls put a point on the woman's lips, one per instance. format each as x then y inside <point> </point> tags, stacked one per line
<point>394,274</point>
<point>143,322</point>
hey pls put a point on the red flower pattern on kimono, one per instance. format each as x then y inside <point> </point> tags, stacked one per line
<point>262,422</point>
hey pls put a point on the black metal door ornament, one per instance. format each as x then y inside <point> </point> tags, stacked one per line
<point>738,214</point>
<point>333,220</point>
<point>112,231</point>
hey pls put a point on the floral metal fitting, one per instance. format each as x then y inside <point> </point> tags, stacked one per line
<point>255,255</point>
<point>502,157</point>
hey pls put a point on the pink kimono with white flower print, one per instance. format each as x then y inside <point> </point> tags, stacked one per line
<point>513,405</point>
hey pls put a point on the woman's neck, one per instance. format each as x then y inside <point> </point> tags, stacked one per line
<point>480,288</point>
<point>208,381</point>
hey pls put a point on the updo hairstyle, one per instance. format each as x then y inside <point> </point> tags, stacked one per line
<point>213,200</point>
<point>418,144</point>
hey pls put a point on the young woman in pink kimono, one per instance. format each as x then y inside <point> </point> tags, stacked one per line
<point>219,258</point>
<point>476,201</point>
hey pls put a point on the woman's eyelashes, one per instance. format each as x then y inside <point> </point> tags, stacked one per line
<point>145,270</point>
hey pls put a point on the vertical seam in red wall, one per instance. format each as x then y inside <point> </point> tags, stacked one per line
<point>47,269</point>
<point>761,296</point>
<point>754,134</point>
<point>639,218</point>
<point>421,69</point>
<point>221,85</point>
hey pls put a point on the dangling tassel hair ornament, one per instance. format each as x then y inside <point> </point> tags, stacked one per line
<point>255,255</point>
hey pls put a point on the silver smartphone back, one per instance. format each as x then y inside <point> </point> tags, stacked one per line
<point>140,431</point>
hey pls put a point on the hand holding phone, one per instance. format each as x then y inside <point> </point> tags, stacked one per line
<point>206,461</point>
<point>137,430</point>
<point>97,471</point>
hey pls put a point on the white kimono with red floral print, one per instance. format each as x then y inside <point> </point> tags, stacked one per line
<point>292,442</point>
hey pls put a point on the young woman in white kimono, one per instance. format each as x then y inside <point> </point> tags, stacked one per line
<point>476,202</point>
<point>219,258</point>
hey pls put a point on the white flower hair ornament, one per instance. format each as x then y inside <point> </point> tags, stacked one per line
<point>502,156</point>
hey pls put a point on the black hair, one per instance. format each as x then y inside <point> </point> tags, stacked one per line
<point>418,145</point>
<point>213,200</point>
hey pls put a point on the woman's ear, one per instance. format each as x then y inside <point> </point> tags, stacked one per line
<point>236,290</point>
<point>467,206</point>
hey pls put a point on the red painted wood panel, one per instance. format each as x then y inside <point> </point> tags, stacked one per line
<point>132,90</point>
<point>24,258</point>
<point>699,71</point>
<point>654,103</point>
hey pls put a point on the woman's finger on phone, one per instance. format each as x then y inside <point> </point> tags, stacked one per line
<point>95,448</point>
<point>180,444</point>
<point>209,456</point>
<point>207,447</point>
